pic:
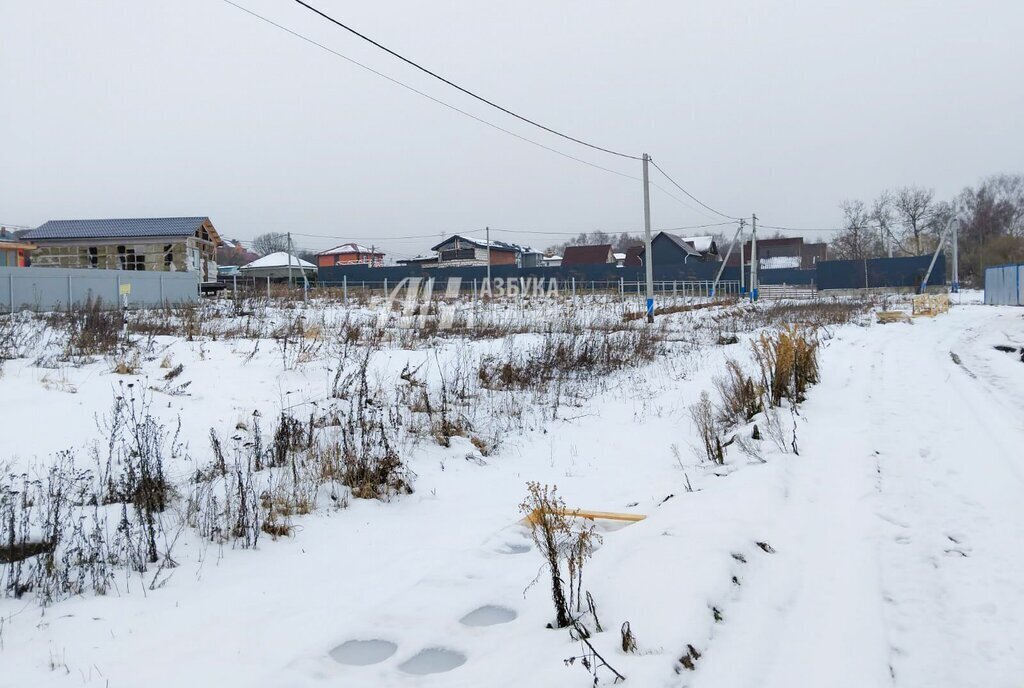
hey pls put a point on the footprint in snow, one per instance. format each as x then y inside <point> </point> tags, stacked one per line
<point>433,660</point>
<point>489,615</point>
<point>363,652</point>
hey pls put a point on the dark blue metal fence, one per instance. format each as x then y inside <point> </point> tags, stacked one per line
<point>879,272</point>
<point>832,274</point>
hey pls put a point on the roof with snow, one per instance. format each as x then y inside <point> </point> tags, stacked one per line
<point>123,228</point>
<point>278,259</point>
<point>496,245</point>
<point>775,262</point>
<point>350,247</point>
<point>702,244</point>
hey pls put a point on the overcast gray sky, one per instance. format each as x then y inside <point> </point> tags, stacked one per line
<point>114,108</point>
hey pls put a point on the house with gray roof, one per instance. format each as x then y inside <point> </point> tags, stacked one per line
<point>462,251</point>
<point>169,244</point>
<point>669,249</point>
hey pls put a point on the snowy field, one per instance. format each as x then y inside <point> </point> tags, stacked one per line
<point>331,476</point>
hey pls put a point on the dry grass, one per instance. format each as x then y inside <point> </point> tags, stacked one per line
<point>741,396</point>
<point>704,417</point>
<point>788,361</point>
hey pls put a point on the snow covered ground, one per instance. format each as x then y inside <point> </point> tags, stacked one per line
<point>888,551</point>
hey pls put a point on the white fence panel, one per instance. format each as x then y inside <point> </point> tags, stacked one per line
<point>47,289</point>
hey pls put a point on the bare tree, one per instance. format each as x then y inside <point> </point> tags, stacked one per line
<point>915,209</point>
<point>882,216</point>
<point>991,232</point>
<point>620,242</point>
<point>857,240</point>
<point>272,242</point>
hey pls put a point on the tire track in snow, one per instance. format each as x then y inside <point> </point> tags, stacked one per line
<point>952,481</point>
<point>811,614</point>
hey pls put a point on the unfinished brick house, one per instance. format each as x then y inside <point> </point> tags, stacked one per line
<point>350,254</point>
<point>170,244</point>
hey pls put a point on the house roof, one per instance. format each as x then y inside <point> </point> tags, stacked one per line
<point>495,245</point>
<point>702,244</point>
<point>595,254</point>
<point>775,262</point>
<point>278,259</point>
<point>633,256</point>
<point>681,243</point>
<point>122,228</point>
<point>350,247</point>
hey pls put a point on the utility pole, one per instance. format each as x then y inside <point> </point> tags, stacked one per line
<point>742,266</point>
<point>721,269</point>
<point>648,254</point>
<point>938,249</point>
<point>488,259</point>
<point>955,286</point>
<point>289,259</point>
<point>753,257</point>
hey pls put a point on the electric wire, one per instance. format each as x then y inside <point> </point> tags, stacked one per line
<point>460,88</point>
<point>476,118</point>
<point>690,195</point>
<point>425,95</point>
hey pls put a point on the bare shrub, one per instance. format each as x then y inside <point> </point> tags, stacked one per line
<point>560,357</point>
<point>92,329</point>
<point>704,417</point>
<point>741,396</point>
<point>138,447</point>
<point>554,533</point>
<point>628,639</point>
<point>788,362</point>
<point>127,361</point>
<point>551,532</point>
<point>58,538</point>
<point>19,335</point>
<point>227,508</point>
<point>298,342</point>
<point>370,464</point>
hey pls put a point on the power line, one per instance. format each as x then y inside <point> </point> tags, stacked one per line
<point>676,184</point>
<point>819,229</point>
<point>491,124</point>
<point>460,88</point>
<point>426,95</point>
<point>664,229</point>
<point>461,111</point>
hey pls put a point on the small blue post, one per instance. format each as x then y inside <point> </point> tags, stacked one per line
<point>753,294</point>
<point>650,308</point>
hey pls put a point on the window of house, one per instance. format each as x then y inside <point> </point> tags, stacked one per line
<point>169,256</point>
<point>130,259</point>
<point>94,257</point>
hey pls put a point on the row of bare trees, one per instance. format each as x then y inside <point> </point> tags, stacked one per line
<point>911,220</point>
<point>620,242</point>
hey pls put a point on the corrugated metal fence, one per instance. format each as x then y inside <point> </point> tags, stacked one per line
<point>832,274</point>
<point>1004,285</point>
<point>47,289</point>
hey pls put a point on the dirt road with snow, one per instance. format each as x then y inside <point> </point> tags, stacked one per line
<point>900,549</point>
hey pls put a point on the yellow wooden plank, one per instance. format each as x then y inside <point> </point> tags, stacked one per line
<point>592,515</point>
